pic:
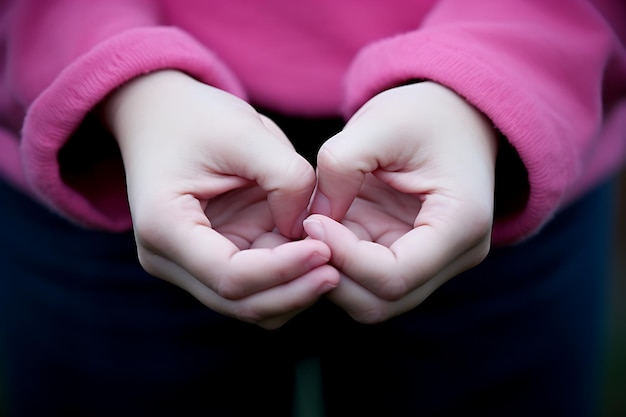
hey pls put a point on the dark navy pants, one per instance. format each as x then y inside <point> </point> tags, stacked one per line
<point>85,332</point>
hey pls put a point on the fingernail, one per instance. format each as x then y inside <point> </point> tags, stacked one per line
<point>326,287</point>
<point>314,229</point>
<point>321,205</point>
<point>315,260</point>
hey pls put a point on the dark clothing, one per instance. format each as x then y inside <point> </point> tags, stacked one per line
<point>86,332</point>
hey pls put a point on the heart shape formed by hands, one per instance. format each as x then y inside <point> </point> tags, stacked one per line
<point>402,198</point>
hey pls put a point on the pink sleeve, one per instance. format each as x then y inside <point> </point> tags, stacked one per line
<point>549,74</point>
<point>66,57</point>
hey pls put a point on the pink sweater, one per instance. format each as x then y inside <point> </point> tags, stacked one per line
<point>551,75</point>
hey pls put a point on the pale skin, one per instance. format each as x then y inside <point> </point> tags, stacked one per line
<point>411,181</point>
<point>219,197</point>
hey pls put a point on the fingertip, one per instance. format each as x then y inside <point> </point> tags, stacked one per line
<point>331,280</point>
<point>317,259</point>
<point>314,228</point>
<point>327,287</point>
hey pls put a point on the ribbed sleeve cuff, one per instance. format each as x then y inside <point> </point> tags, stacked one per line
<point>473,73</point>
<point>99,201</point>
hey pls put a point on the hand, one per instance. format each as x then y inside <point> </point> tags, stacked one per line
<point>216,193</point>
<point>405,198</point>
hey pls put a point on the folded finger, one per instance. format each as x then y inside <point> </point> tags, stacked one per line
<point>441,247</point>
<point>184,235</point>
<point>270,308</point>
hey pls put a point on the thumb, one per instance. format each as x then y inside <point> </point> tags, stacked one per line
<point>342,163</point>
<point>288,179</point>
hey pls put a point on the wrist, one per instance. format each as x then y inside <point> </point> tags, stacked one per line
<point>128,104</point>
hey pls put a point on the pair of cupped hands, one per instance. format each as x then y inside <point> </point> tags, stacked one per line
<point>225,208</point>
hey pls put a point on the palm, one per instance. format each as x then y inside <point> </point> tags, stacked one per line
<point>381,214</point>
<point>243,216</point>
<point>197,160</point>
<point>410,179</point>
<point>388,260</point>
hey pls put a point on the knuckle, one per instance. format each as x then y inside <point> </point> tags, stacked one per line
<point>148,238</point>
<point>149,262</point>
<point>338,156</point>
<point>480,252</point>
<point>248,314</point>
<point>296,175</point>
<point>328,157</point>
<point>229,285</point>
<point>229,290</point>
<point>146,231</point>
<point>481,227</point>
<point>271,324</point>
<point>149,228</point>
<point>393,287</point>
<point>300,173</point>
<point>374,315</point>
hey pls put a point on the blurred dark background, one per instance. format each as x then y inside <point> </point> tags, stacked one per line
<point>613,395</point>
<point>615,369</point>
<point>308,392</point>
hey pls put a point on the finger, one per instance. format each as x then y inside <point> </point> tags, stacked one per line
<point>257,269</point>
<point>288,299</point>
<point>269,240</point>
<point>453,236</point>
<point>366,307</point>
<point>270,308</point>
<point>286,176</point>
<point>366,145</point>
<point>183,234</point>
<point>360,303</point>
<point>277,322</point>
<point>342,163</point>
<point>370,264</point>
<point>439,248</point>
